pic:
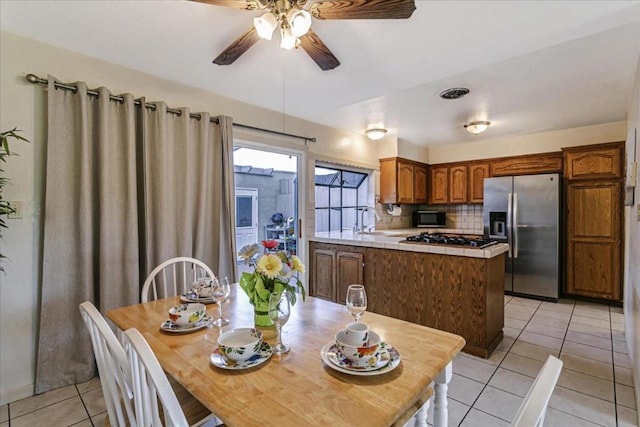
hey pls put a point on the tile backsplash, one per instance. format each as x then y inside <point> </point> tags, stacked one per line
<point>464,218</point>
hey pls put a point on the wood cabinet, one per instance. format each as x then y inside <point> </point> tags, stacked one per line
<point>332,271</point>
<point>594,241</point>
<point>593,162</point>
<point>527,164</point>
<point>449,184</point>
<point>402,181</point>
<point>438,185</point>
<point>462,295</point>
<point>458,186</point>
<point>477,173</point>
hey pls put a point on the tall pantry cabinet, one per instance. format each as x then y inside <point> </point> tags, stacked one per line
<point>594,195</point>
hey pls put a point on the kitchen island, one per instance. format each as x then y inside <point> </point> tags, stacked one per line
<point>451,288</point>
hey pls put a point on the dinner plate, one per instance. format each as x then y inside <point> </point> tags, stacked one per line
<point>170,326</point>
<point>189,297</point>
<point>330,351</point>
<point>338,359</point>
<point>220,361</point>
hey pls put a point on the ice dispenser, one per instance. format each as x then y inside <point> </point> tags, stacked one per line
<point>498,225</point>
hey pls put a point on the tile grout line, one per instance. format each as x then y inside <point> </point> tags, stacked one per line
<point>83,404</point>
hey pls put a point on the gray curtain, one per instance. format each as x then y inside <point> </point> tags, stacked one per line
<point>126,187</point>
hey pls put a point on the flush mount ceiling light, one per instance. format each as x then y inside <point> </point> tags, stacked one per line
<point>477,127</point>
<point>375,133</point>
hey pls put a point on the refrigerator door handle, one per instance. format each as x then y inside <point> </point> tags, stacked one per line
<point>509,224</point>
<point>515,225</point>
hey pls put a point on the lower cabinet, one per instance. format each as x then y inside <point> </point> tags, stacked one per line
<point>332,271</point>
<point>463,295</point>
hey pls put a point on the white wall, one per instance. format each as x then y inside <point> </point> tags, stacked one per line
<point>528,144</point>
<point>632,244</point>
<point>24,105</point>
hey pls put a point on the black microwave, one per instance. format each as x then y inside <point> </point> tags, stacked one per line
<point>429,219</point>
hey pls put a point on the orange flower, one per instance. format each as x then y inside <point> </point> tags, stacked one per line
<point>365,351</point>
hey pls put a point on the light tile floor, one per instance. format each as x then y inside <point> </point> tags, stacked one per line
<point>595,387</point>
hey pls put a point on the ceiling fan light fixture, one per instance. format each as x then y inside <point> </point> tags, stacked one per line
<point>265,25</point>
<point>375,133</point>
<point>288,40</point>
<point>300,21</point>
<point>477,127</point>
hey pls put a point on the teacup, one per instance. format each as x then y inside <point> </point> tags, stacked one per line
<point>240,344</point>
<point>364,355</point>
<point>356,334</point>
<point>186,314</point>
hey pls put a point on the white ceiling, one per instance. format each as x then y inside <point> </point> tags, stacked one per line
<point>531,66</point>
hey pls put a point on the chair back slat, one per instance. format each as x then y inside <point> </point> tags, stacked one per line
<point>151,389</point>
<point>172,277</point>
<point>113,367</point>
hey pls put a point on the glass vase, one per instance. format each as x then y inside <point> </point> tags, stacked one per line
<point>261,317</point>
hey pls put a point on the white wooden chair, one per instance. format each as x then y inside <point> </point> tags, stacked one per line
<point>113,367</point>
<point>534,406</point>
<point>172,277</point>
<point>154,398</point>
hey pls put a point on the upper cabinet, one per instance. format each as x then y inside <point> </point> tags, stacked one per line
<point>527,164</point>
<point>439,185</point>
<point>593,162</point>
<point>477,173</point>
<point>402,181</point>
<point>458,185</point>
<point>449,184</point>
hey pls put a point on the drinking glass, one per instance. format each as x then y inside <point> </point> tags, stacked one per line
<point>356,301</point>
<point>220,292</point>
<point>279,310</point>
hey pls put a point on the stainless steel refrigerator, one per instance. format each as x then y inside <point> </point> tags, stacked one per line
<point>524,211</point>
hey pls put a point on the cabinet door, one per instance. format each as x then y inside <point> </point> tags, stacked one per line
<point>438,191</point>
<point>597,163</point>
<point>388,181</point>
<point>419,184</point>
<point>323,273</point>
<point>594,239</point>
<point>405,182</point>
<point>458,184</point>
<point>477,174</point>
<point>527,164</point>
<point>350,271</point>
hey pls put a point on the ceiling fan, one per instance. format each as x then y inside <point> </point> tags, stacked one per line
<point>295,23</point>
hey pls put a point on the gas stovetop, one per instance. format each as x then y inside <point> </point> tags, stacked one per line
<point>448,239</point>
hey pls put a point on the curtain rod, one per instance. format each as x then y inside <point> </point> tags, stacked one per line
<point>32,78</point>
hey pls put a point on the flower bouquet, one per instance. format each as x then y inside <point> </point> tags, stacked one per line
<point>272,272</point>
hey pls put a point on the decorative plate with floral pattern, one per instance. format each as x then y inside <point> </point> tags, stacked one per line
<point>331,356</point>
<point>219,360</point>
<point>170,326</point>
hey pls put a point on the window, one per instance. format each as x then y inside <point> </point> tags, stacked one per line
<point>340,195</point>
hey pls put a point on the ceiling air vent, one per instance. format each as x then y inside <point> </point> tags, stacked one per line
<point>454,93</point>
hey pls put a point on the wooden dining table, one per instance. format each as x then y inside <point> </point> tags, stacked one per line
<point>297,388</point>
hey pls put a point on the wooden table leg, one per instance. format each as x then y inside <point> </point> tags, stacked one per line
<point>440,410</point>
<point>420,418</point>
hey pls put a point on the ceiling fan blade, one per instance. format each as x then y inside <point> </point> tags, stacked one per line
<point>363,9</point>
<point>318,51</point>
<point>237,4</point>
<point>238,47</point>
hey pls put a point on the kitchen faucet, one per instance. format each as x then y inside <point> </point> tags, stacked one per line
<point>362,227</point>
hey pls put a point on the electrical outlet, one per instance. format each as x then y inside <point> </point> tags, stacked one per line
<point>17,207</point>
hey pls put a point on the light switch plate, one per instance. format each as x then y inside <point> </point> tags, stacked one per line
<point>17,207</point>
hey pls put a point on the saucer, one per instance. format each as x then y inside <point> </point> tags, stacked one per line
<point>190,297</point>
<point>341,361</point>
<point>170,326</point>
<point>330,351</point>
<point>221,362</point>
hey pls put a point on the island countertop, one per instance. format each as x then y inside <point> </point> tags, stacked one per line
<point>395,239</point>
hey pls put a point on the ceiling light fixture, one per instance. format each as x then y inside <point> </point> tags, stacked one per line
<point>477,127</point>
<point>375,133</point>
<point>293,23</point>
